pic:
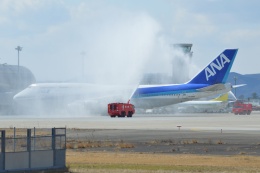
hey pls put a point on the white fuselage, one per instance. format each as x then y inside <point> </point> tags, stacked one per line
<point>63,97</point>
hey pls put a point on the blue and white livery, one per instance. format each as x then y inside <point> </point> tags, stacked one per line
<point>210,81</point>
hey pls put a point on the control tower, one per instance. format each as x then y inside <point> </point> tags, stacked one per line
<point>181,62</point>
<point>186,48</point>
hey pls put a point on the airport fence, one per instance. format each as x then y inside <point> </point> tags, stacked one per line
<point>20,152</point>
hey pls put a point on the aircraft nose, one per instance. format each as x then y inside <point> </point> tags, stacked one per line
<point>16,97</point>
<point>19,97</point>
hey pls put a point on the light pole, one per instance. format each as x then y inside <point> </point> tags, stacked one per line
<point>18,48</point>
<point>235,79</point>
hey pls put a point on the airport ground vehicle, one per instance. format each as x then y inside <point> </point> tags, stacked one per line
<point>120,109</point>
<point>242,108</point>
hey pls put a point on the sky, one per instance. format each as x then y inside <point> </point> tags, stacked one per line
<point>120,40</point>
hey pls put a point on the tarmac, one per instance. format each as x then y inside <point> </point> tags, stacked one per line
<point>199,121</point>
<point>202,133</point>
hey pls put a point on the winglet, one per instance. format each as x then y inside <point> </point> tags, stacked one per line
<point>218,70</point>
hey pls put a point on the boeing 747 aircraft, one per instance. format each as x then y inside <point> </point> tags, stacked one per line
<point>209,81</point>
<point>70,96</point>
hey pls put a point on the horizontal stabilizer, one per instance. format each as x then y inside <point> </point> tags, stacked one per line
<point>215,87</point>
<point>236,86</point>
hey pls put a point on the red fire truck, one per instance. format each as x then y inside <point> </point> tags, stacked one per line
<point>242,108</point>
<point>120,109</point>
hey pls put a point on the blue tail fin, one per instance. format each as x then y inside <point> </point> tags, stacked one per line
<point>218,70</point>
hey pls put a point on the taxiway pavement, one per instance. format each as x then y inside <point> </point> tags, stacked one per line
<point>201,121</point>
<point>177,133</point>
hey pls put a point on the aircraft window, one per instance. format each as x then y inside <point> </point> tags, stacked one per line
<point>113,107</point>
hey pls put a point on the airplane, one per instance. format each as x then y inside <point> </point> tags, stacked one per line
<point>217,104</point>
<point>209,81</point>
<point>68,98</point>
<point>49,97</point>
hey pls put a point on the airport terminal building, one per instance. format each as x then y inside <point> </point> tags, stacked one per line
<point>13,79</point>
